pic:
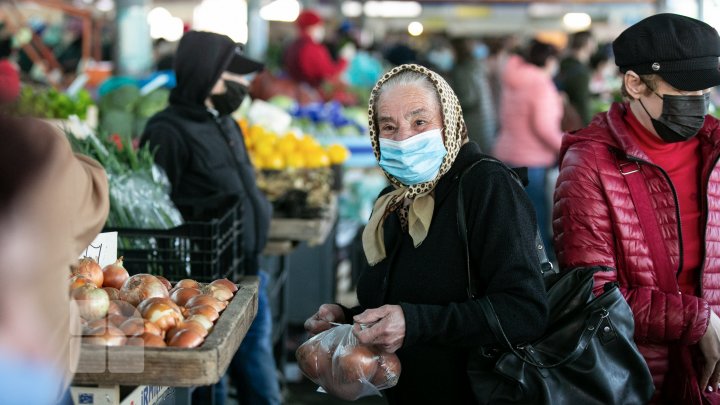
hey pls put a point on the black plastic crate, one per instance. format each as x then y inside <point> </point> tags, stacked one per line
<point>201,250</point>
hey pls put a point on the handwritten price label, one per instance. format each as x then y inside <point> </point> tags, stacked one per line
<point>103,249</point>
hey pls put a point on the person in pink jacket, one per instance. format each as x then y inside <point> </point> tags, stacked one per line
<point>530,114</point>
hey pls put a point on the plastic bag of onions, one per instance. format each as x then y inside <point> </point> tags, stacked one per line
<point>342,367</point>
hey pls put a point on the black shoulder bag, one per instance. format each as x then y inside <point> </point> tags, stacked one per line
<point>586,356</point>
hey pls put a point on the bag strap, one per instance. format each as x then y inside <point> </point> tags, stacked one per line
<point>634,176</point>
<point>545,264</point>
<point>590,329</point>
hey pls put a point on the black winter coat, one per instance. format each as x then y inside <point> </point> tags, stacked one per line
<point>430,282</point>
<point>204,154</point>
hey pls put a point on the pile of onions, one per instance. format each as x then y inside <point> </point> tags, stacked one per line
<point>144,310</point>
<point>346,372</point>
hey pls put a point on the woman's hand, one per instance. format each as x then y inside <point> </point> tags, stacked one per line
<point>710,348</point>
<point>321,320</point>
<point>383,327</point>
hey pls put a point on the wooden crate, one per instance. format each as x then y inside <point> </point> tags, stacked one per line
<point>174,367</point>
<point>312,231</point>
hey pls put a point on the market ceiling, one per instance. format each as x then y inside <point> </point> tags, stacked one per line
<point>490,2</point>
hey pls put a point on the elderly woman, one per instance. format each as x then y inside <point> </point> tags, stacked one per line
<point>414,296</point>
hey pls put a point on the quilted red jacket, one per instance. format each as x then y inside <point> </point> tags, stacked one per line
<point>595,223</point>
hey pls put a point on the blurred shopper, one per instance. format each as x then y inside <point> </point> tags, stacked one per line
<point>201,148</point>
<point>307,59</point>
<point>414,298</point>
<point>499,51</point>
<point>638,192</point>
<point>52,205</point>
<point>468,79</point>
<point>530,113</point>
<point>9,73</point>
<point>575,73</point>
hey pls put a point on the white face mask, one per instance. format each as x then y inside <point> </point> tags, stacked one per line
<point>317,33</point>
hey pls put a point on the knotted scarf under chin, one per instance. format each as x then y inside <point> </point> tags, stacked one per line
<point>420,213</point>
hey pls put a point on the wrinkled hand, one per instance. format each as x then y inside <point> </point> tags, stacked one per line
<point>384,327</point>
<point>710,348</point>
<point>321,320</point>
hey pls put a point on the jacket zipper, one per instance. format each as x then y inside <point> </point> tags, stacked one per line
<point>707,216</point>
<point>677,208</point>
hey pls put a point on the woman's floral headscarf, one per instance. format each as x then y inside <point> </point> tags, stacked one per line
<point>418,214</point>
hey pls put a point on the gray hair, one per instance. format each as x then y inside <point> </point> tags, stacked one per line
<point>406,78</point>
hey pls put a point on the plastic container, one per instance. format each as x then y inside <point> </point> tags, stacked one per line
<point>201,250</point>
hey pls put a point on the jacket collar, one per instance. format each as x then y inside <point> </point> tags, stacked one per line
<point>469,153</point>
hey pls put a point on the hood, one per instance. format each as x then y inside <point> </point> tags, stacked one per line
<point>609,128</point>
<point>520,74</point>
<point>200,60</point>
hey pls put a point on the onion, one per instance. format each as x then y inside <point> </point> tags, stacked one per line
<point>89,268</point>
<point>114,275</point>
<point>357,363</point>
<point>98,323</point>
<point>141,287</point>
<point>165,282</point>
<point>181,295</point>
<point>307,357</point>
<point>189,325</point>
<point>93,302</point>
<point>167,301</point>
<point>388,372</point>
<point>162,315</point>
<point>123,308</point>
<point>147,340</point>
<point>117,319</point>
<point>223,282</point>
<point>79,280</point>
<point>186,338</point>
<point>206,300</point>
<point>219,292</point>
<point>202,320</point>
<point>133,327</point>
<point>188,283</point>
<point>206,310</point>
<point>113,293</point>
<point>106,336</point>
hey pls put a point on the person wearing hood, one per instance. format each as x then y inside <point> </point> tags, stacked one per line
<point>201,148</point>
<point>638,192</point>
<point>414,296</point>
<point>531,111</point>
<point>307,60</point>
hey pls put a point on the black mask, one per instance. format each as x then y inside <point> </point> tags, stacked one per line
<point>681,118</point>
<point>226,103</point>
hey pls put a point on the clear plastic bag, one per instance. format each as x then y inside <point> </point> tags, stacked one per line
<point>342,367</point>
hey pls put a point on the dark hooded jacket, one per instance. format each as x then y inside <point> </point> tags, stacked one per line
<point>203,153</point>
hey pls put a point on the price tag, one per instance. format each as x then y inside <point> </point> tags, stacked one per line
<point>103,249</point>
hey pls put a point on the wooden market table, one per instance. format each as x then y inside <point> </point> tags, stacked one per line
<point>156,369</point>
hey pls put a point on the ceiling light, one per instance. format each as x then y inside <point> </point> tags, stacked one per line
<point>415,28</point>
<point>577,21</point>
<point>392,9</point>
<point>281,10</point>
<point>352,9</point>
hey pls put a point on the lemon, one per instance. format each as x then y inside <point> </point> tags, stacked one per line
<point>338,153</point>
<point>274,162</point>
<point>318,159</point>
<point>264,148</point>
<point>287,144</point>
<point>256,131</point>
<point>308,143</point>
<point>295,160</point>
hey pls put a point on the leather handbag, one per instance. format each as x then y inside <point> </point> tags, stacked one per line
<point>586,356</point>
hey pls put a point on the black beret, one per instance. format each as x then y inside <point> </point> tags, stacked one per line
<point>682,50</point>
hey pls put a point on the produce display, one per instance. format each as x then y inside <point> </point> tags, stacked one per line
<point>125,110</point>
<point>50,103</point>
<point>295,172</point>
<point>336,361</point>
<point>117,309</point>
<point>139,189</point>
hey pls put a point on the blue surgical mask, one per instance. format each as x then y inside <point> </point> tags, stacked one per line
<point>414,160</point>
<point>24,381</point>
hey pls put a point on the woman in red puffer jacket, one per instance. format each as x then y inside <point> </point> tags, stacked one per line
<point>661,141</point>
